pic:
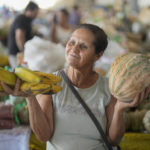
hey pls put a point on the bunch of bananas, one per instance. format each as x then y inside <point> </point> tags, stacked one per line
<point>37,82</point>
<point>34,82</point>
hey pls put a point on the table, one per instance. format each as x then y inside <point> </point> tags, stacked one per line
<point>135,141</point>
<point>15,139</point>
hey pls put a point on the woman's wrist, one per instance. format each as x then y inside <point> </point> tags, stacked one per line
<point>30,98</point>
<point>119,108</point>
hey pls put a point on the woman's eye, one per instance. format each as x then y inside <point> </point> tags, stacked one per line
<point>82,46</point>
<point>71,43</point>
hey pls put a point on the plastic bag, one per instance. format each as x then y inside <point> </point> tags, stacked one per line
<point>43,55</point>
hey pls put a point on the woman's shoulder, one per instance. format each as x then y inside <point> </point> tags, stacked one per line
<point>103,80</point>
<point>103,84</point>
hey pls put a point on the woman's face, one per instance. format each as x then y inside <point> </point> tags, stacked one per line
<point>80,50</point>
<point>61,17</point>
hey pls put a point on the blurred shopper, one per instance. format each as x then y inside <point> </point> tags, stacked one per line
<point>21,31</point>
<point>75,16</point>
<point>126,12</point>
<point>60,30</point>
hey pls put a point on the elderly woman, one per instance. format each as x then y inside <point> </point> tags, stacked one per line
<point>60,120</point>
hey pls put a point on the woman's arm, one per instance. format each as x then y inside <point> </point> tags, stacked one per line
<point>53,37</point>
<point>115,122</point>
<point>41,116</point>
<point>114,112</point>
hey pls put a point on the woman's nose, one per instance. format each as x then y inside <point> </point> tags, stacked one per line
<point>75,47</point>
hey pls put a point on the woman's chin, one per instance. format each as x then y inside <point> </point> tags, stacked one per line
<point>74,64</point>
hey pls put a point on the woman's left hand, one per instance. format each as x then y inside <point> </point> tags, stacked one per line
<point>136,101</point>
<point>15,91</point>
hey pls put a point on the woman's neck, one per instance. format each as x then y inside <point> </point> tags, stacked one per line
<point>82,78</point>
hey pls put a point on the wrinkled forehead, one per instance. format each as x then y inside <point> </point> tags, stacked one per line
<point>84,35</point>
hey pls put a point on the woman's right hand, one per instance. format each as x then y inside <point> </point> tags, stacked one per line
<point>15,92</point>
<point>136,101</point>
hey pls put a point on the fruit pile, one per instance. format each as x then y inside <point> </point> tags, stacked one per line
<point>33,82</point>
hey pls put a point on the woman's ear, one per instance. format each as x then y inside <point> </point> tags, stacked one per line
<point>98,55</point>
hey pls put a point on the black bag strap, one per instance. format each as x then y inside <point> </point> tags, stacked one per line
<point>95,121</point>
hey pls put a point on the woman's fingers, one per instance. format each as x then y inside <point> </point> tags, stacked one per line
<point>144,94</point>
<point>15,92</point>
<point>140,97</point>
<point>23,94</point>
<point>147,92</point>
<point>17,86</point>
<point>3,93</point>
<point>134,103</point>
<point>6,88</point>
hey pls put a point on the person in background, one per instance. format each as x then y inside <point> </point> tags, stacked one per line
<point>21,31</point>
<point>75,16</point>
<point>60,30</point>
<point>60,120</point>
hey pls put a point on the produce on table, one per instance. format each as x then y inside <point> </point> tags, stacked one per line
<point>146,121</point>
<point>133,120</point>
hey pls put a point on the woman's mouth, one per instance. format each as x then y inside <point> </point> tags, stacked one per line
<point>74,55</point>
